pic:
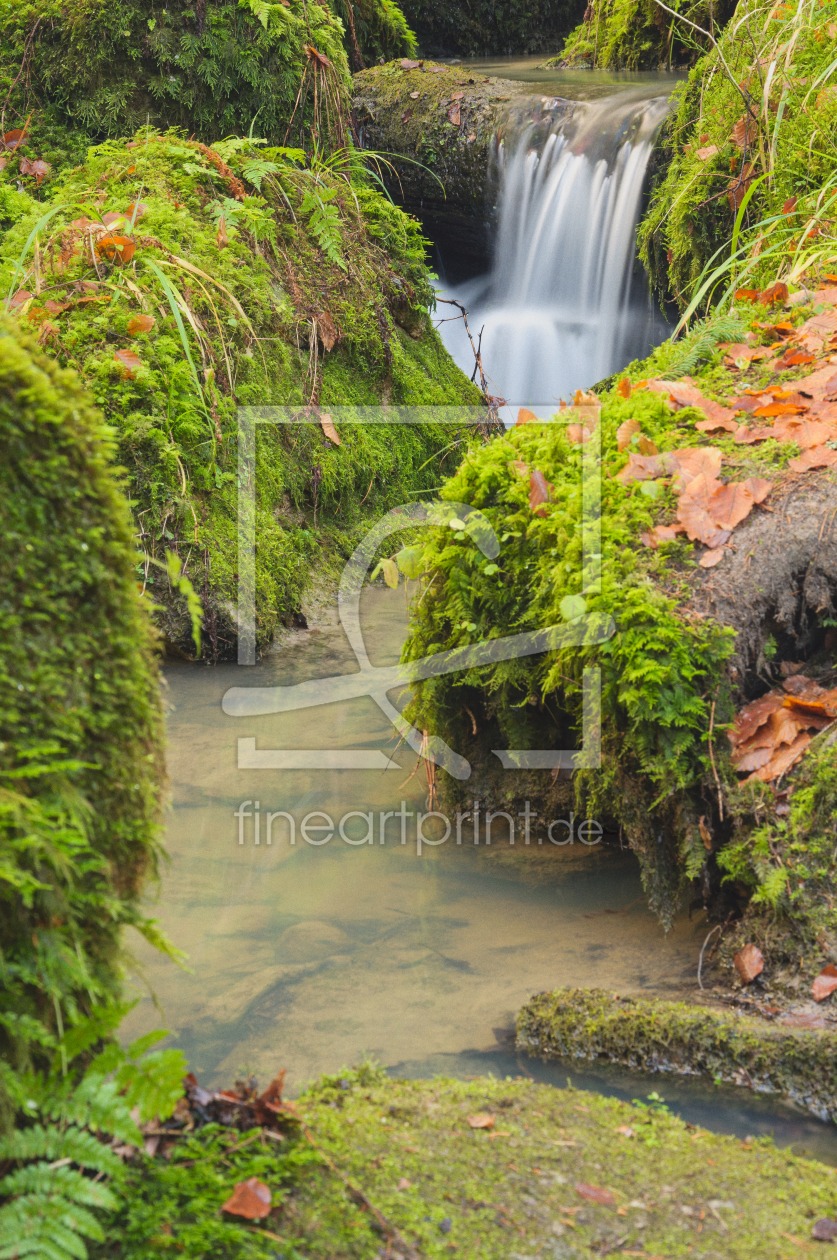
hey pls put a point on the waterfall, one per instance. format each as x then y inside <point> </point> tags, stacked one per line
<point>561,307</point>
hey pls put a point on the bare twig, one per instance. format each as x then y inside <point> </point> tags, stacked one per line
<point>712,759</point>
<point>477,354</point>
<point>717,928</point>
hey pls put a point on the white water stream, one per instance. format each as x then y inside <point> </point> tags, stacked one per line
<point>562,306</point>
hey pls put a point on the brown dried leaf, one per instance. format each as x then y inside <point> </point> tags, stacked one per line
<point>579,434</point>
<point>140,324</point>
<point>596,1194</point>
<point>646,446</point>
<point>707,152</point>
<point>250,1199</point>
<point>754,715</point>
<point>327,426</point>
<point>406,64</point>
<point>783,759</point>
<point>129,361</point>
<point>625,432</point>
<point>710,558</point>
<point>455,115</point>
<point>745,132</point>
<point>539,490</point>
<point>814,457</point>
<point>525,416</point>
<point>777,292</point>
<point>730,505</point>
<point>642,468</point>
<point>758,487</point>
<point>482,1120</point>
<point>623,389</point>
<point>749,963</point>
<point>825,983</point>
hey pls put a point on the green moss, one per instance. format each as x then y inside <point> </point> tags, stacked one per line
<point>394,1165</point>
<point>81,755</point>
<point>791,142</point>
<point>106,68</point>
<point>657,1036</point>
<point>639,35</point>
<point>491,27</point>
<point>294,309</point>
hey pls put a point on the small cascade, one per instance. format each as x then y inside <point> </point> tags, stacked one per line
<point>562,306</point>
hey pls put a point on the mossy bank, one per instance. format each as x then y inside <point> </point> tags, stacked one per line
<point>183,282</point>
<point>482,1169</point>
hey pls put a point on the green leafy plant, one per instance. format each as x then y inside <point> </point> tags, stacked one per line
<point>324,222</point>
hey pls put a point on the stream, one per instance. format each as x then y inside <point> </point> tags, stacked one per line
<point>309,956</point>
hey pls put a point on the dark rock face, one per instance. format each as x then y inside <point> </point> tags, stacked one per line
<point>442,120</point>
<point>480,28</point>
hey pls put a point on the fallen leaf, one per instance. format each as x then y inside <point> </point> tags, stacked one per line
<point>710,558</point>
<point>406,64</point>
<point>580,434</point>
<point>455,115</point>
<point>801,1019</point>
<point>625,432</point>
<point>328,428</point>
<point>404,1184</point>
<point>790,205</point>
<point>129,361</point>
<point>746,295</point>
<point>712,426</point>
<point>56,308</point>
<point>519,467</point>
<point>706,153</point>
<point>525,416</point>
<point>745,132</point>
<point>112,217</point>
<point>14,139</point>
<point>327,331</point>
<point>731,504</point>
<point>646,446</point>
<point>222,240</point>
<point>18,299</point>
<point>813,457</point>
<point>539,489</point>
<point>758,487</point>
<point>406,116</point>
<point>140,324</point>
<point>793,358</point>
<point>692,461</point>
<point>116,249</point>
<point>735,351</point>
<point>250,1199</point>
<point>625,1130</point>
<point>749,963</point>
<point>779,409</point>
<point>137,209</point>
<point>458,96</point>
<point>783,759</point>
<point>482,1120</point>
<point>38,168</point>
<point>596,1194</point>
<point>825,983</point>
<point>623,389</point>
<point>642,468</point>
<point>777,292</point>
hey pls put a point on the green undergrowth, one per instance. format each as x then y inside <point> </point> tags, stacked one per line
<point>491,27</point>
<point>640,35</point>
<point>261,281</point>
<point>81,752</point>
<point>776,69</point>
<point>105,68</point>
<point>386,1166</point>
<point>660,1036</point>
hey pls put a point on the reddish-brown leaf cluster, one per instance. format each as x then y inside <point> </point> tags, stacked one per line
<point>749,963</point>
<point>771,734</point>
<point>242,1107</point>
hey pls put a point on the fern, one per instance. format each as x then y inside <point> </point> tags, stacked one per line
<point>701,343</point>
<point>324,223</point>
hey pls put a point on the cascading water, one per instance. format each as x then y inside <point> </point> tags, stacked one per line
<point>561,307</point>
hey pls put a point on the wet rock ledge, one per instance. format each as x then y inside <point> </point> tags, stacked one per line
<point>660,1036</point>
<point>437,123</point>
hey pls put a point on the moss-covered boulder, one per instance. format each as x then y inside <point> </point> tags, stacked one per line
<point>183,282</point>
<point>81,751</point>
<point>215,68</point>
<point>483,28</point>
<point>641,35</point>
<point>439,125</point>
<point>657,1036</point>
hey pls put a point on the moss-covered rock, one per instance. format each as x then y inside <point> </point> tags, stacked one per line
<point>383,1165</point>
<point>657,1036</point>
<point>484,28</point>
<point>215,68</point>
<point>81,740</point>
<point>640,35</point>
<point>183,282</point>
<point>724,139</point>
<point>442,121</point>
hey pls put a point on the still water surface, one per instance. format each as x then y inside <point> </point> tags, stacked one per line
<point>310,957</point>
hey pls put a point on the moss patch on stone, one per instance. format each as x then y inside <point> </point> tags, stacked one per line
<point>248,278</point>
<point>639,35</point>
<point>657,1036</point>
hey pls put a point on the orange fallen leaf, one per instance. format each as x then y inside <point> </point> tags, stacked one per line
<point>525,416</point>
<point>482,1120</point>
<point>250,1199</point>
<point>746,295</point>
<point>759,488</point>
<point>777,292</point>
<point>623,389</point>
<point>327,425</point>
<point>116,249</point>
<point>825,983</point>
<point>813,457</point>
<point>731,504</point>
<point>129,361</point>
<point>596,1194</point>
<point>578,434</point>
<point>625,432</point>
<point>140,324</point>
<point>539,489</point>
<point>783,759</point>
<point>779,409</point>
<point>710,558</point>
<point>749,963</point>
<point>646,446</point>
